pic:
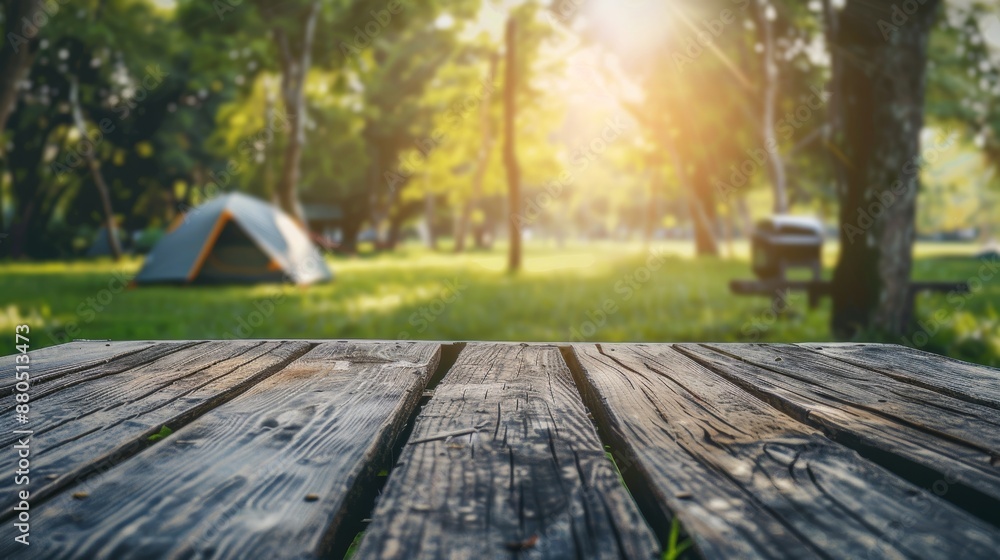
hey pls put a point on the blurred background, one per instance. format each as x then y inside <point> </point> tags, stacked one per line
<point>526,170</point>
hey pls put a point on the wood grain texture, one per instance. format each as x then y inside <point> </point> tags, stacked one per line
<point>748,481</point>
<point>73,398</point>
<point>968,382</point>
<point>84,431</point>
<point>54,362</point>
<point>531,477</point>
<point>956,441</point>
<point>268,474</point>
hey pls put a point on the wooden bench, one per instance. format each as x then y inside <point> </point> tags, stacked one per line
<point>292,449</point>
<point>816,289</point>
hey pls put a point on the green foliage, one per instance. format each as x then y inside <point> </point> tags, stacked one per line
<point>163,433</point>
<point>964,73</point>
<point>674,548</point>
<point>390,296</point>
<point>611,457</point>
<point>355,544</point>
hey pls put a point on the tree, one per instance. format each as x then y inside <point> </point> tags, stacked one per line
<point>767,15</point>
<point>94,166</point>
<point>113,73</point>
<point>296,60</point>
<point>17,52</point>
<point>482,160</point>
<point>878,74</point>
<point>510,146</point>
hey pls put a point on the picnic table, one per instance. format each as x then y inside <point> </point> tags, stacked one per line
<point>294,448</point>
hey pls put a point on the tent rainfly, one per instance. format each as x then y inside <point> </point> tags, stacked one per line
<point>101,247</point>
<point>234,238</point>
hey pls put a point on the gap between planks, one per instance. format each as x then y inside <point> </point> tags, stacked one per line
<point>685,396</point>
<point>246,465</point>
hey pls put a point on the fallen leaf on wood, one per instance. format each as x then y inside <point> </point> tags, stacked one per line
<point>526,544</point>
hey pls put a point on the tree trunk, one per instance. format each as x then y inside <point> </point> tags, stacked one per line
<point>701,199</point>
<point>95,169</point>
<point>268,189</point>
<point>482,160</point>
<point>701,204</point>
<point>19,229</point>
<point>394,233</point>
<point>294,68</point>
<point>771,82</point>
<point>746,221</point>
<point>654,184</point>
<point>703,216</point>
<point>15,57</point>
<point>350,231</point>
<point>509,147</point>
<point>649,220</point>
<point>730,225</point>
<point>881,81</point>
<point>3,224</point>
<point>429,221</point>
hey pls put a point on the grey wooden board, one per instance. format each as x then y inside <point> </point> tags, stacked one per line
<point>965,381</point>
<point>748,481</point>
<point>71,400</point>
<point>533,475</point>
<point>87,429</point>
<point>55,361</point>
<point>934,433</point>
<point>233,483</point>
<point>970,423</point>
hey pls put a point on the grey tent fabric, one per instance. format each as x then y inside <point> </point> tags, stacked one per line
<point>235,238</point>
<point>101,247</point>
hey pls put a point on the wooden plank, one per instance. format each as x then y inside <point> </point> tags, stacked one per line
<point>915,429</point>
<point>749,482</point>
<point>523,469</point>
<point>962,380</point>
<point>113,417</point>
<point>268,474</point>
<point>49,384</point>
<point>824,287</point>
<point>55,361</point>
<point>75,398</point>
<point>769,287</point>
<point>975,425</point>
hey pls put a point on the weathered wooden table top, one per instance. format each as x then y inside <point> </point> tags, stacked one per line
<point>291,449</point>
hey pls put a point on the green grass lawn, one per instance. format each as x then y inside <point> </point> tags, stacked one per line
<point>605,292</point>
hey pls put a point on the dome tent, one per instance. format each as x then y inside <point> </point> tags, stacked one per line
<point>101,247</point>
<point>234,238</point>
